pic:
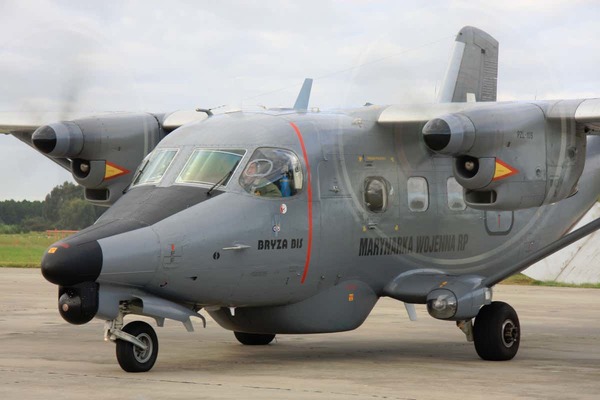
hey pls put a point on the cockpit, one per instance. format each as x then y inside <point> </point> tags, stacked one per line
<point>268,172</point>
<point>272,172</point>
<point>154,166</point>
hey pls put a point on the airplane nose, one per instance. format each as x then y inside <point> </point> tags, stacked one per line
<point>68,264</point>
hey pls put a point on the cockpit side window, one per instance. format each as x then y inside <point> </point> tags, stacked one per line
<point>210,166</point>
<point>272,172</point>
<point>154,166</point>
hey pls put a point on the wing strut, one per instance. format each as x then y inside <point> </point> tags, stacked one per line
<point>543,253</point>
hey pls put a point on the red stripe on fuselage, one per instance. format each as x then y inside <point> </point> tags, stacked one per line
<point>309,201</point>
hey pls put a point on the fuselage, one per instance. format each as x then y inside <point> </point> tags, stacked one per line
<point>370,203</point>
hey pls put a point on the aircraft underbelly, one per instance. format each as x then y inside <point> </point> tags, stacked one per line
<point>339,308</point>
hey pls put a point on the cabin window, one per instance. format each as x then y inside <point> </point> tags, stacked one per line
<point>210,166</point>
<point>456,200</point>
<point>154,166</point>
<point>272,172</point>
<point>376,194</point>
<point>418,194</point>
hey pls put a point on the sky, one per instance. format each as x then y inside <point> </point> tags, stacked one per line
<point>157,56</point>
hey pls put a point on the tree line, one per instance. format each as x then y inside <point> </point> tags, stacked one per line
<point>63,208</point>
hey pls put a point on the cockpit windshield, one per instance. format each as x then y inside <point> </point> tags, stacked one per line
<point>208,166</point>
<point>154,166</point>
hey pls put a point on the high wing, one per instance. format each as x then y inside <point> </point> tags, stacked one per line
<point>588,114</point>
<point>101,151</point>
<point>582,111</point>
<point>22,126</point>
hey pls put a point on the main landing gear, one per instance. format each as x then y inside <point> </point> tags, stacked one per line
<point>497,332</point>
<point>254,339</point>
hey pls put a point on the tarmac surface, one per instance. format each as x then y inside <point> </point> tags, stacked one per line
<point>389,357</point>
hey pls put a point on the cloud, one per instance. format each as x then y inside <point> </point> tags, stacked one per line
<point>147,55</point>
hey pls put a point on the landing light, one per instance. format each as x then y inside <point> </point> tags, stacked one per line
<point>442,305</point>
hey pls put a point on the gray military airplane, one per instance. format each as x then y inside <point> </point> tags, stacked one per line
<point>289,221</point>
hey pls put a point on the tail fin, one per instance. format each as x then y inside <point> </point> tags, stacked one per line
<point>473,68</point>
<point>304,96</point>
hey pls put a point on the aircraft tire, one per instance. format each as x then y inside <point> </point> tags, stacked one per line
<point>497,332</point>
<point>130,357</point>
<point>254,339</point>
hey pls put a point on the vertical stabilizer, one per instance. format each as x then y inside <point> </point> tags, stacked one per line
<point>473,68</point>
<point>304,96</point>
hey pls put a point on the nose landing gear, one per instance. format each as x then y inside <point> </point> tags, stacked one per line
<point>131,356</point>
<point>497,332</point>
<point>136,343</point>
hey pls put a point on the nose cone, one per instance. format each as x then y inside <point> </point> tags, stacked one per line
<point>67,264</point>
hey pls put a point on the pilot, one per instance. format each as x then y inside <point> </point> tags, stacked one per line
<point>257,184</point>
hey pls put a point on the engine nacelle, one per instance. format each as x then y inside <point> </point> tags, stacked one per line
<point>104,151</point>
<point>510,156</point>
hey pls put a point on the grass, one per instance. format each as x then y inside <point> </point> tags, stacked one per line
<point>519,279</point>
<point>24,250</point>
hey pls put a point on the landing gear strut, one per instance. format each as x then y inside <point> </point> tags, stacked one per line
<point>136,342</point>
<point>254,339</point>
<point>497,332</point>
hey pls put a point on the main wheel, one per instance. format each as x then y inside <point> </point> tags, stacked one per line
<point>132,358</point>
<point>254,339</point>
<point>497,332</point>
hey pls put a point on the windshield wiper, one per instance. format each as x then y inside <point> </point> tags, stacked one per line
<point>223,179</point>
<point>140,172</point>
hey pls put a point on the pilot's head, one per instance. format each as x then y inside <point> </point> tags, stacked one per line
<point>250,173</point>
<point>251,169</point>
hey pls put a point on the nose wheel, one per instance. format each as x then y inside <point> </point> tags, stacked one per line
<point>497,332</point>
<point>138,357</point>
